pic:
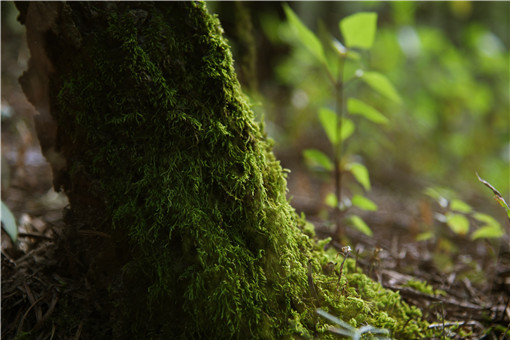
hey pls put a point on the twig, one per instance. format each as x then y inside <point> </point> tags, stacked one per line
<point>78,331</point>
<point>346,251</point>
<point>48,313</point>
<point>38,312</point>
<point>20,326</point>
<point>452,324</point>
<point>35,235</point>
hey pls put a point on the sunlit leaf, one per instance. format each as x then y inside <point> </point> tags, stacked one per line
<point>460,206</point>
<point>355,106</point>
<point>363,203</point>
<point>424,236</point>
<point>353,55</point>
<point>331,200</point>
<point>491,228</point>
<point>360,225</point>
<point>306,36</point>
<point>329,119</point>
<point>489,231</point>
<point>347,129</point>
<point>484,218</point>
<point>9,223</point>
<point>381,84</point>
<point>317,158</point>
<point>503,203</point>
<point>360,172</point>
<point>359,29</point>
<point>458,223</point>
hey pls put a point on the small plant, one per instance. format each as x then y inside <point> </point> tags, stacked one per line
<point>345,251</point>
<point>459,216</point>
<point>343,65</point>
<point>351,331</point>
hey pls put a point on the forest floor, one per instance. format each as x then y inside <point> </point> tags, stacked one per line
<point>467,284</point>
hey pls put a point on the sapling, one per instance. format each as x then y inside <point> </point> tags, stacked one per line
<point>459,216</point>
<point>359,32</point>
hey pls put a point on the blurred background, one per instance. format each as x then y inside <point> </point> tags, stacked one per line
<point>449,62</point>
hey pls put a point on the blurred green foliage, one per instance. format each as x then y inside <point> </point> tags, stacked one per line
<point>449,61</point>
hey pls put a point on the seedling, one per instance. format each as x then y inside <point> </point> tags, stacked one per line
<point>345,251</point>
<point>335,58</point>
<point>459,216</point>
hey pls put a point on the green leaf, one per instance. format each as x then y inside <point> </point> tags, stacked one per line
<point>353,55</point>
<point>307,37</point>
<point>347,129</point>
<point>329,120</point>
<point>490,228</point>
<point>359,224</point>
<point>363,203</point>
<point>355,106</point>
<point>489,231</point>
<point>331,200</point>
<point>381,84</point>
<point>332,51</point>
<point>503,203</point>
<point>9,223</point>
<point>424,236</point>
<point>460,206</point>
<point>315,157</point>
<point>458,223</point>
<point>484,218</point>
<point>360,172</point>
<point>359,29</point>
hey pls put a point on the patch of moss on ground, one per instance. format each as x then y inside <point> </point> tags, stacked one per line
<point>152,121</point>
<point>424,287</point>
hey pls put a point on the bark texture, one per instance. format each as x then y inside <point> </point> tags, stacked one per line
<point>148,133</point>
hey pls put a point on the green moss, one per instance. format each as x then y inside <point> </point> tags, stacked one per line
<point>423,287</point>
<point>155,127</point>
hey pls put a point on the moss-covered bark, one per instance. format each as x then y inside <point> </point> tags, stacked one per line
<point>163,155</point>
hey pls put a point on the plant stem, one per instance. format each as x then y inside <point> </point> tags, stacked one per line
<point>337,157</point>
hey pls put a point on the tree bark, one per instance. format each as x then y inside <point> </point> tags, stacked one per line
<point>178,206</point>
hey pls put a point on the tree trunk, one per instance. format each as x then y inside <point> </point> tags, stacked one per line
<point>177,204</point>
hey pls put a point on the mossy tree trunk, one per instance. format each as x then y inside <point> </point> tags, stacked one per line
<point>176,200</point>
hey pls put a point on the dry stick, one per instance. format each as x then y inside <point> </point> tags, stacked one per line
<point>38,311</point>
<point>452,324</point>
<point>47,315</point>
<point>35,235</point>
<point>26,314</point>
<point>345,250</point>
<point>78,332</point>
<point>310,281</point>
<point>356,263</point>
